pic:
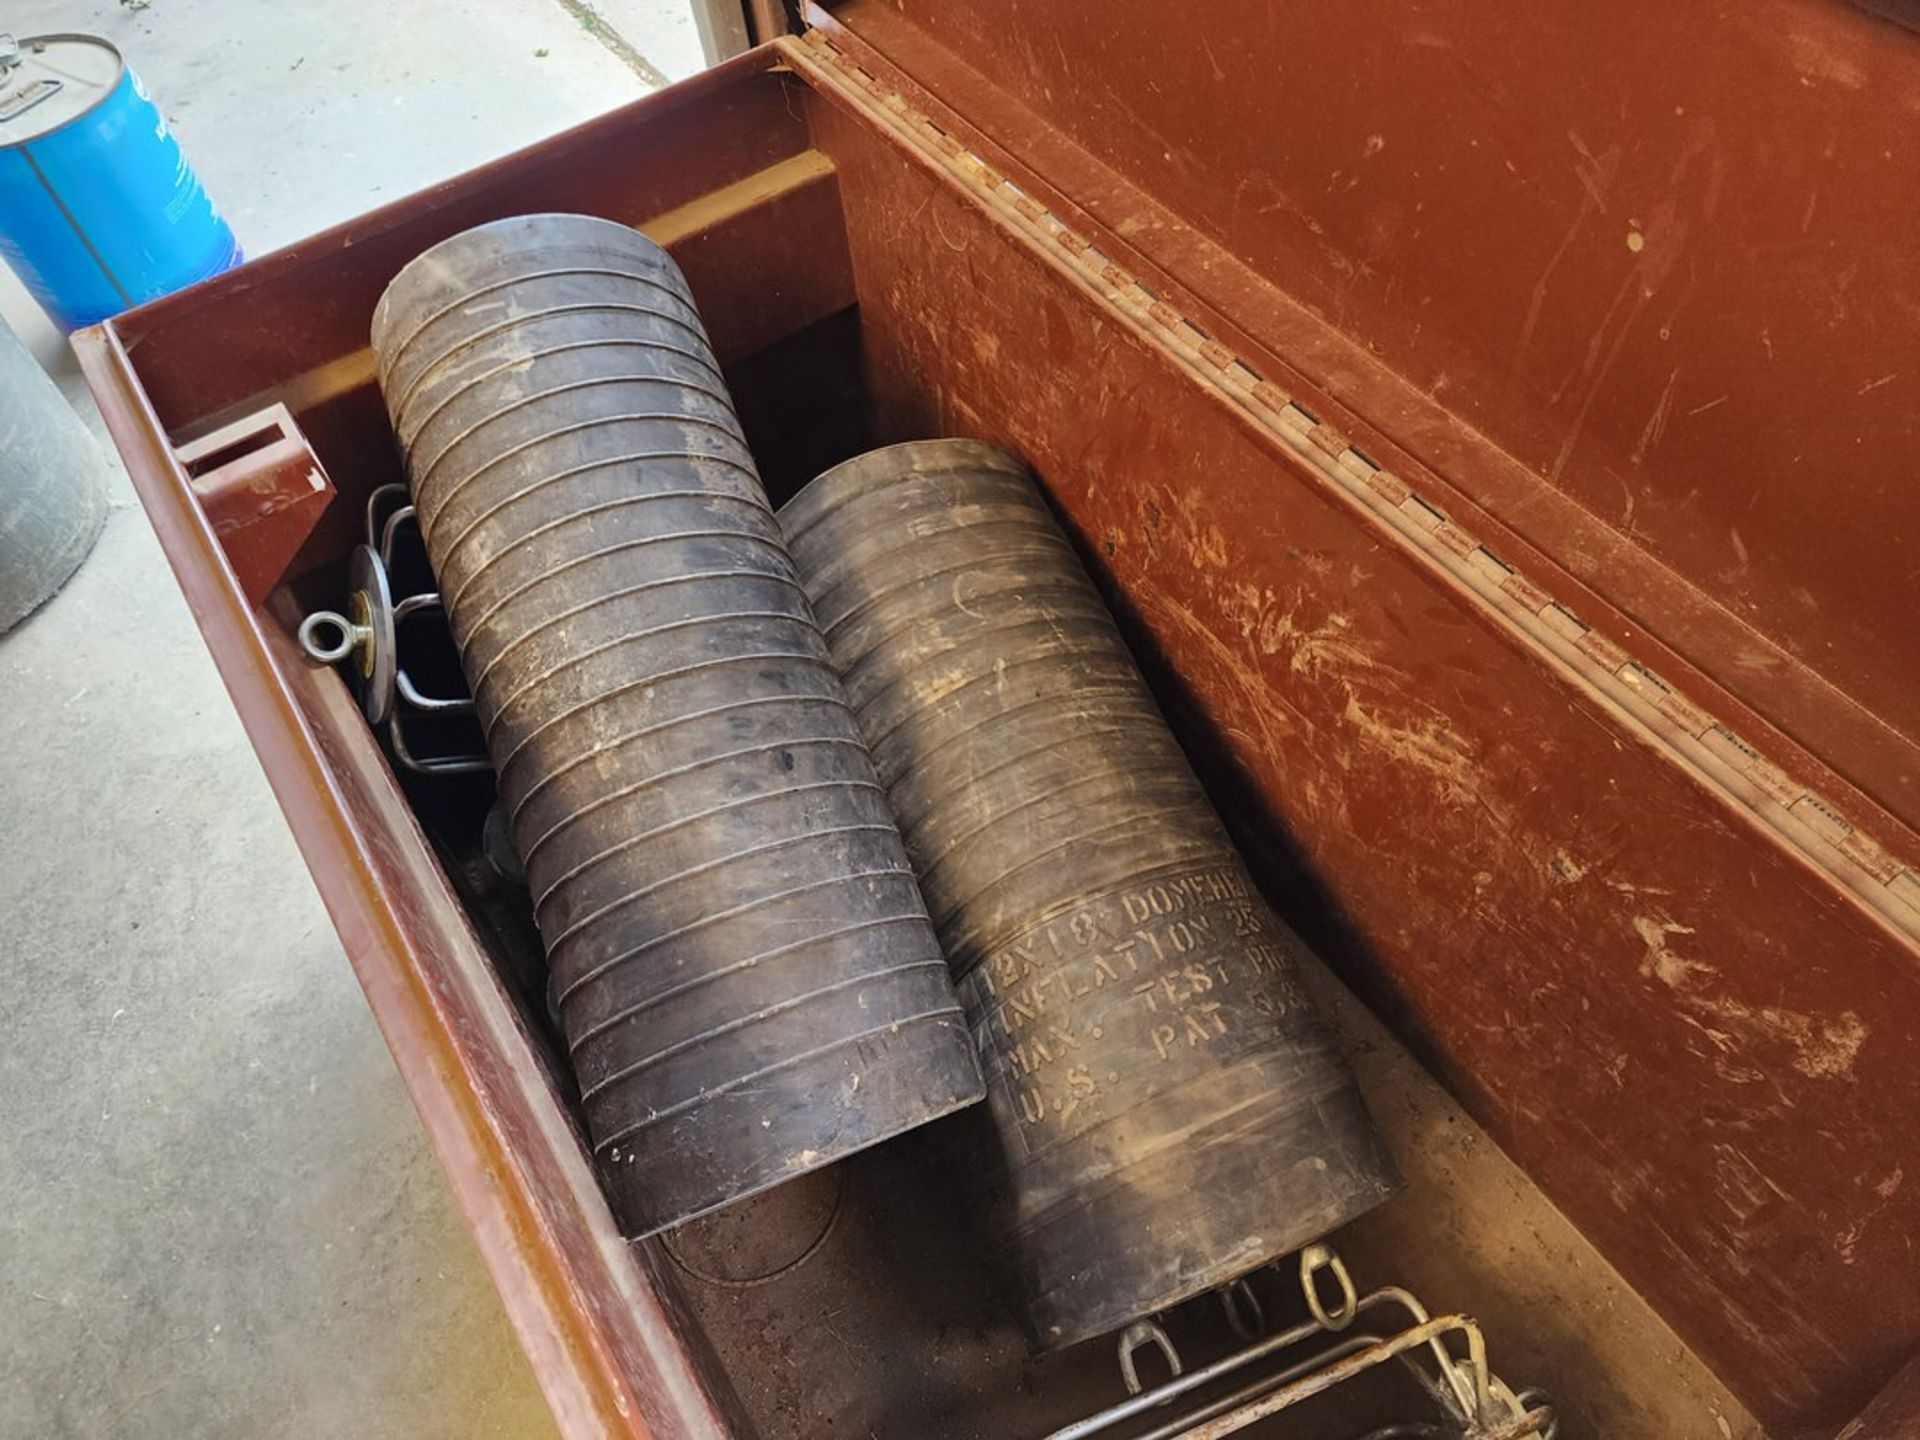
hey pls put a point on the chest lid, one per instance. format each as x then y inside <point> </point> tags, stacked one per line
<point>1647,323</point>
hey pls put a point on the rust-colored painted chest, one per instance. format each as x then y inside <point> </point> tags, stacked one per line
<point>1495,427</point>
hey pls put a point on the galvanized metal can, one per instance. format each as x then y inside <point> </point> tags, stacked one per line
<point>1167,1110</point>
<point>99,209</point>
<point>53,494</point>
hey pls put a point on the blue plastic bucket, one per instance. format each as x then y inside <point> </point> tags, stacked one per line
<point>99,210</point>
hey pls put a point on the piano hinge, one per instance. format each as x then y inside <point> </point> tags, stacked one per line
<point>1888,887</point>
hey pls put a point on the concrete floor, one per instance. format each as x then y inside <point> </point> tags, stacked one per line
<point>218,1214</point>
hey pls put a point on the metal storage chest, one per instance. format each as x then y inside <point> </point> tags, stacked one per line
<point>1495,428</point>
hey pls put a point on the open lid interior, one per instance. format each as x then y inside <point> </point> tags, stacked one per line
<point>1649,319</point>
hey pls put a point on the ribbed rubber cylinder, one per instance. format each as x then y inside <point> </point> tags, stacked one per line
<point>744,968</point>
<point>1168,1111</point>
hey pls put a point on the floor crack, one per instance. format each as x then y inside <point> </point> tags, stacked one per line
<point>595,24</point>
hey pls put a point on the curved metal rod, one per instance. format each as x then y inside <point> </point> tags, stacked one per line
<point>391,531</point>
<point>459,705</point>
<point>445,765</point>
<point>419,604</point>
<point>1245,1315</point>
<point>1196,1379</point>
<point>1145,1332</point>
<point>1470,1398</point>
<point>1339,1350</point>
<point>378,497</point>
<point>1323,1379</point>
